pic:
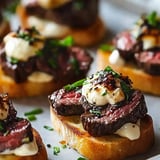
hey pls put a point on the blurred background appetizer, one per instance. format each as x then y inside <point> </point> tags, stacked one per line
<point>77,18</point>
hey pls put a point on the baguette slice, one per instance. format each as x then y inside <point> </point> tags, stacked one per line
<point>8,85</point>
<point>41,155</point>
<point>111,147</point>
<point>141,80</point>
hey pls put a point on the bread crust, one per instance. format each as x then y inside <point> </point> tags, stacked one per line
<point>83,37</point>
<point>111,147</point>
<point>25,89</point>
<point>41,155</point>
<point>50,4</point>
<point>141,80</point>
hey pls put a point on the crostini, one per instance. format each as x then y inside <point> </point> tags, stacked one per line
<point>31,65</point>
<point>18,140</point>
<point>102,117</point>
<point>136,53</point>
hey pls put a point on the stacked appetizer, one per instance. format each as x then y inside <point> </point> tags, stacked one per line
<point>102,117</point>
<point>136,53</point>
<point>18,140</point>
<point>78,18</point>
<point>31,65</point>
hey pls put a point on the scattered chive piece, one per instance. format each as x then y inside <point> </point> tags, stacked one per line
<point>56,150</point>
<point>64,146</point>
<point>14,60</point>
<point>95,112</point>
<point>152,18</point>
<point>74,85</point>
<point>107,47</point>
<point>104,93</point>
<point>33,112</point>
<point>67,42</point>
<point>81,158</point>
<point>31,117</point>
<point>1,127</point>
<point>48,128</point>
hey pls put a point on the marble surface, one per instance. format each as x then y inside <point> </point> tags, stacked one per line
<point>116,19</point>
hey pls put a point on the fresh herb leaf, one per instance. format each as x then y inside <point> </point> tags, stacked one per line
<point>56,150</point>
<point>152,18</point>
<point>67,42</point>
<point>1,126</point>
<point>104,93</point>
<point>13,60</point>
<point>110,70</point>
<point>48,128</point>
<point>31,117</point>
<point>126,89</point>
<point>39,53</point>
<point>107,47</point>
<point>74,85</point>
<point>34,111</point>
<point>95,111</point>
<point>64,146</point>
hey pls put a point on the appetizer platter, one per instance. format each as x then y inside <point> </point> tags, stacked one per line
<point>38,109</point>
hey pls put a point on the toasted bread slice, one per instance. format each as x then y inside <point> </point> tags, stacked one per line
<point>141,80</point>
<point>41,155</point>
<point>110,147</point>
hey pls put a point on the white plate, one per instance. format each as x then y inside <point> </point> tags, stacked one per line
<point>116,19</point>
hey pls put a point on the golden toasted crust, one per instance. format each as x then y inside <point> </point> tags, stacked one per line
<point>8,85</point>
<point>41,155</point>
<point>141,80</point>
<point>50,4</point>
<point>111,147</point>
<point>83,37</point>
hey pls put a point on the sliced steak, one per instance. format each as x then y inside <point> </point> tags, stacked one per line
<point>149,61</point>
<point>127,45</point>
<point>14,131</point>
<point>66,103</point>
<point>58,61</point>
<point>107,119</point>
<point>17,133</point>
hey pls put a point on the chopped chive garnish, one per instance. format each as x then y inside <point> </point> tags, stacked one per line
<point>33,112</point>
<point>67,42</point>
<point>64,146</point>
<point>104,93</point>
<point>13,60</point>
<point>74,85</point>
<point>48,128</point>
<point>109,69</point>
<point>96,112</point>
<point>56,150</point>
<point>31,117</point>
<point>152,18</point>
<point>1,126</point>
<point>107,47</point>
<point>81,158</point>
